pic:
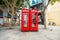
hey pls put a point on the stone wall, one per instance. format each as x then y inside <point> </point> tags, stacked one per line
<point>54,14</point>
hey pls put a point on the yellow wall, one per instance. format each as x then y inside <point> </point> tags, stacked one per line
<point>54,13</point>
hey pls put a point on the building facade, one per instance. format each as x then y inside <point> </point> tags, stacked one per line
<point>53,14</point>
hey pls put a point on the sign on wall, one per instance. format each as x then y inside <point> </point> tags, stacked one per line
<point>34,2</point>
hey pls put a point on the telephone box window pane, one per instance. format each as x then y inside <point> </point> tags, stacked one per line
<point>33,20</point>
<point>25,20</point>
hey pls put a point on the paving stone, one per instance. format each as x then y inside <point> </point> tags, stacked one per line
<point>42,34</point>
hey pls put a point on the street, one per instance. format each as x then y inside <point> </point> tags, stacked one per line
<point>43,34</point>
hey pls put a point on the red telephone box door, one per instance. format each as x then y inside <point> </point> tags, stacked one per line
<point>25,20</point>
<point>33,20</point>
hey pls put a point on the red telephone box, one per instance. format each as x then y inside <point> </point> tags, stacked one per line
<point>25,20</point>
<point>33,21</point>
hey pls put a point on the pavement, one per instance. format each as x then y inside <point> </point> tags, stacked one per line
<point>51,33</point>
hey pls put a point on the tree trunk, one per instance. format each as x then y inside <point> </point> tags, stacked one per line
<point>4,17</point>
<point>44,20</point>
<point>44,14</point>
<point>11,19</point>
